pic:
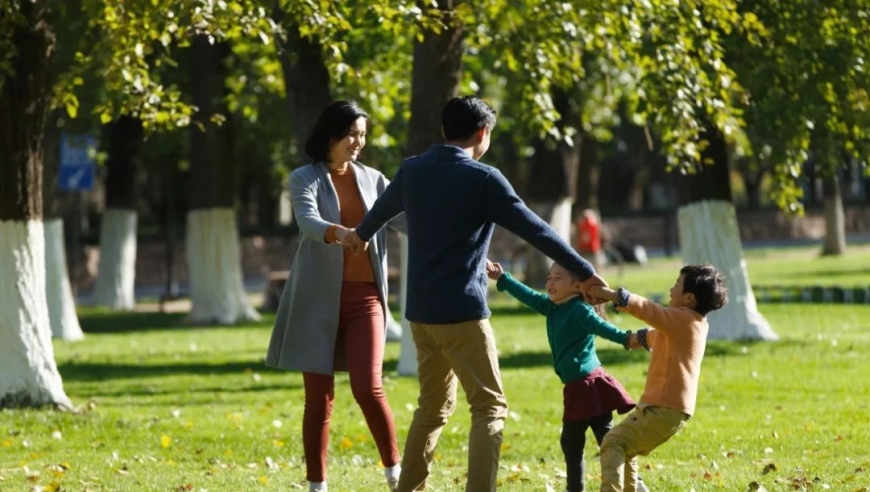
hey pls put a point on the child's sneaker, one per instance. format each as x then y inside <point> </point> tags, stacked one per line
<point>392,473</point>
<point>317,486</point>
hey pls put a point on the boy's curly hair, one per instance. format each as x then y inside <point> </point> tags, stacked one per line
<point>708,286</point>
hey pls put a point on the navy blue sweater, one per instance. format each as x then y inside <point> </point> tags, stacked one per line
<point>451,203</point>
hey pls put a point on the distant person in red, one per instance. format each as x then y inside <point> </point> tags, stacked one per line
<point>589,237</point>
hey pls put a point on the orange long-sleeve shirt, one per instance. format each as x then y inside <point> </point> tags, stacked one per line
<point>677,339</point>
<point>357,267</point>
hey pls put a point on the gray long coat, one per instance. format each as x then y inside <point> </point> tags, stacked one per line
<point>306,325</point>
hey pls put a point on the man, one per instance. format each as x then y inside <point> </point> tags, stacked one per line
<point>451,202</point>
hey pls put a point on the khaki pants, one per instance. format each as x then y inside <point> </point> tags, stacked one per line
<point>446,353</point>
<point>644,429</point>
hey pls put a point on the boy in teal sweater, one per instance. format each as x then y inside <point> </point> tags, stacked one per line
<point>590,394</point>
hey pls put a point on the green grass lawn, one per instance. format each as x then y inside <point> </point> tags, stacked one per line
<point>794,266</point>
<point>169,407</point>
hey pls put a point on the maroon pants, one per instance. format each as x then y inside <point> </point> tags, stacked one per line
<point>361,325</point>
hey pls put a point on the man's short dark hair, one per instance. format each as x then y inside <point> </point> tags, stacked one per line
<point>333,124</point>
<point>464,116</point>
<point>708,286</point>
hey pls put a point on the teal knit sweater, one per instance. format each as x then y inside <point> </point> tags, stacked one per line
<point>571,329</point>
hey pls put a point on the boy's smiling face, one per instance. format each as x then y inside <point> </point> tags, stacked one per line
<point>561,284</point>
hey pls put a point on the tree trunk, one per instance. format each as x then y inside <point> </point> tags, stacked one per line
<point>548,196</point>
<point>28,371</point>
<point>587,177</point>
<point>117,271</point>
<point>408,354</point>
<point>115,287</point>
<point>58,290</point>
<point>752,182</point>
<point>306,79</point>
<point>835,219</point>
<point>552,189</point>
<point>708,233</point>
<point>217,290</point>
<point>435,80</point>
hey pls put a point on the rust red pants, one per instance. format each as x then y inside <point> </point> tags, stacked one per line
<point>361,326</point>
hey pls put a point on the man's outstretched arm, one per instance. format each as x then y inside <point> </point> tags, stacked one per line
<point>500,203</point>
<point>385,208</point>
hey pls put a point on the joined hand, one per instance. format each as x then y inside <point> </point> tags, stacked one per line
<point>595,290</point>
<point>353,243</point>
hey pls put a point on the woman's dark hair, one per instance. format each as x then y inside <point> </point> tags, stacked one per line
<point>708,286</point>
<point>333,124</point>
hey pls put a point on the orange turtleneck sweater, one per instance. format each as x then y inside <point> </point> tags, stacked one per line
<point>357,267</point>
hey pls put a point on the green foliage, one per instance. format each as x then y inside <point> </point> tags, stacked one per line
<point>124,43</point>
<point>134,38</point>
<point>665,58</point>
<point>783,81</point>
<point>804,68</point>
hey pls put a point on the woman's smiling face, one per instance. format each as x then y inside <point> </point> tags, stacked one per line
<point>348,148</point>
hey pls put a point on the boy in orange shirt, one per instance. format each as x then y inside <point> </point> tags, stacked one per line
<point>677,337</point>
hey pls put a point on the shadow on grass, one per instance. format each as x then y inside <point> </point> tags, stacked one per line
<point>608,357</point>
<point>825,274</point>
<point>146,390</point>
<point>100,371</point>
<point>614,357</point>
<point>113,322</point>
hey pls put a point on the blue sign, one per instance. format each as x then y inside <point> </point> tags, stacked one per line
<point>77,164</point>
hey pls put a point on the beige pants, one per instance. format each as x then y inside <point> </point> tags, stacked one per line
<point>446,353</point>
<point>644,429</point>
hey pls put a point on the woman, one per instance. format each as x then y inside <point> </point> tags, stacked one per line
<point>331,315</point>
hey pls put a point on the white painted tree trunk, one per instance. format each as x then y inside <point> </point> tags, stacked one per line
<point>61,304</point>
<point>394,328</point>
<point>217,291</point>
<point>709,233</point>
<point>28,371</point>
<point>117,276</point>
<point>558,215</point>
<point>408,354</point>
